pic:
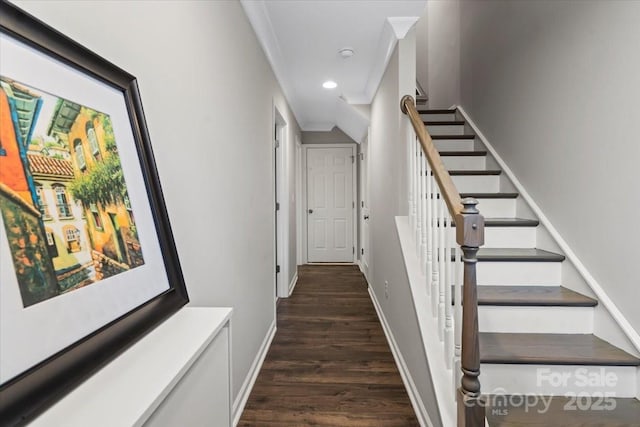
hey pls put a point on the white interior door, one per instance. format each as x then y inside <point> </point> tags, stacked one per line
<point>330,204</point>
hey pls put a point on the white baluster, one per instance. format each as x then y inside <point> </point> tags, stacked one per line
<point>430,229</point>
<point>425,220</point>
<point>443,262</point>
<point>448,300</point>
<point>418,202</point>
<point>412,179</point>
<point>416,154</point>
<point>435,267</point>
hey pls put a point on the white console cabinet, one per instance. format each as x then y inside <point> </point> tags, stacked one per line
<point>177,375</point>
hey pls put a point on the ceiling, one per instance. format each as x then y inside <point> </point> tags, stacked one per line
<point>301,39</point>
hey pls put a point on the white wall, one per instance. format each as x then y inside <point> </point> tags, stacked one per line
<point>443,53</point>
<point>555,87</point>
<point>208,93</point>
<point>388,199</point>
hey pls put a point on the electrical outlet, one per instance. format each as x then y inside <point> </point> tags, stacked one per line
<point>386,289</point>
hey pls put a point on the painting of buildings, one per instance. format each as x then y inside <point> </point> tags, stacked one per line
<point>65,227</point>
<point>22,220</point>
<point>61,179</point>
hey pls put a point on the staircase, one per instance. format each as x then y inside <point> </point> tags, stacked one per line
<point>541,363</point>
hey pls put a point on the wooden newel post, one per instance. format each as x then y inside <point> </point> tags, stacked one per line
<point>470,236</point>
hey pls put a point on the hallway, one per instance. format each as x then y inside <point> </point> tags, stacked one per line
<point>329,363</point>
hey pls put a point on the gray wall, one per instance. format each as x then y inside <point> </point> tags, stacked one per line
<point>208,93</point>
<point>422,59</point>
<point>555,87</point>
<point>389,195</point>
<point>443,53</point>
<point>334,136</point>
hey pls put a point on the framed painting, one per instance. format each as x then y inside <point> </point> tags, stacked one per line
<point>88,264</point>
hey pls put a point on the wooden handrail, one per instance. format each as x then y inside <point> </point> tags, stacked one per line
<point>447,188</point>
<point>470,236</point>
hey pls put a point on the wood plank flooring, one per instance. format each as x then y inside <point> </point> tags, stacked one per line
<point>329,363</point>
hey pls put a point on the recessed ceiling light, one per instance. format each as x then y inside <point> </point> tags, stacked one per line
<point>329,84</point>
<point>346,52</point>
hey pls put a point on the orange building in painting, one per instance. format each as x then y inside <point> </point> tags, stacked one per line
<point>12,169</point>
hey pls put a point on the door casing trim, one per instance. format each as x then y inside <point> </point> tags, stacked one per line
<point>354,183</point>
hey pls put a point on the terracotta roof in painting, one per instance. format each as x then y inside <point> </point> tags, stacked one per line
<point>49,166</point>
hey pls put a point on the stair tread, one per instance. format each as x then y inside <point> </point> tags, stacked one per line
<point>551,349</point>
<point>443,122</point>
<point>501,195</point>
<point>502,412</point>
<point>454,136</point>
<point>511,222</point>
<point>518,254</point>
<point>538,296</point>
<point>515,255</point>
<point>476,153</point>
<point>464,172</point>
<point>435,110</point>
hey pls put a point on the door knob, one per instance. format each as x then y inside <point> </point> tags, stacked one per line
<point>310,211</point>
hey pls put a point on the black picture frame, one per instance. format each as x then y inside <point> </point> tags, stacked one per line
<point>24,397</point>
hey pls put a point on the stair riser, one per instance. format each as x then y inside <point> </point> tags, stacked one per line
<point>438,117</point>
<point>477,183</point>
<point>546,380</point>
<point>505,237</point>
<point>497,208</point>
<point>464,162</point>
<point>454,144</point>
<point>539,320</point>
<point>519,273</point>
<point>445,129</point>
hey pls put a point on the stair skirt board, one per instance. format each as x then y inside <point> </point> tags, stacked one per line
<point>519,273</point>
<point>558,380</point>
<point>541,319</point>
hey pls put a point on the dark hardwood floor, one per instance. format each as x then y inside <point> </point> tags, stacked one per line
<point>329,363</point>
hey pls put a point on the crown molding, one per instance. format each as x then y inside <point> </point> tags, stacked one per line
<point>256,11</point>
<point>395,28</point>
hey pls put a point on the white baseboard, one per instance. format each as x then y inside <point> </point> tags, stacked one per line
<point>363,270</point>
<point>294,282</point>
<point>250,380</point>
<point>599,291</point>
<point>410,386</point>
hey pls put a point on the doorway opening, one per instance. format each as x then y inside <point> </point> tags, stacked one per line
<point>280,203</point>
